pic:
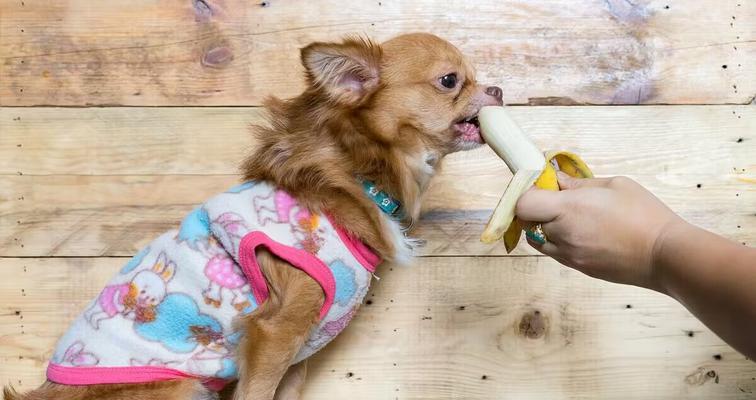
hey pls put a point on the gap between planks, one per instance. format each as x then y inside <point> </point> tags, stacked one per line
<point>555,103</point>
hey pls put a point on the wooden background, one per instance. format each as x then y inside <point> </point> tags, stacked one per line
<point>118,117</point>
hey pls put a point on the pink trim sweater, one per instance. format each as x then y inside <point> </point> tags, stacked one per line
<point>168,313</point>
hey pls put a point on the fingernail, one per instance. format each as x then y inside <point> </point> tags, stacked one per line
<point>535,237</point>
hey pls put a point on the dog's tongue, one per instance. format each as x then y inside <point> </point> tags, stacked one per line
<point>470,132</point>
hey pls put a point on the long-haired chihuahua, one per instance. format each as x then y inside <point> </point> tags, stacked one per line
<point>261,276</point>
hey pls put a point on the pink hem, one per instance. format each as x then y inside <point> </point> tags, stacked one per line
<point>118,375</point>
<point>364,255</point>
<point>301,259</point>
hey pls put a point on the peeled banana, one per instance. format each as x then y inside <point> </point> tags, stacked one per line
<point>529,167</point>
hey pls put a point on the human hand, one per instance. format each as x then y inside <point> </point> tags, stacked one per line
<point>607,228</point>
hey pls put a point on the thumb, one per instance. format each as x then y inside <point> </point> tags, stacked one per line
<point>567,182</point>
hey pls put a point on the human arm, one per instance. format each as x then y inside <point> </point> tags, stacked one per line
<point>614,229</point>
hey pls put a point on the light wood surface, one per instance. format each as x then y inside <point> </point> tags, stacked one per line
<point>85,185</point>
<point>237,52</point>
<point>93,185</point>
<point>434,330</point>
<point>105,181</point>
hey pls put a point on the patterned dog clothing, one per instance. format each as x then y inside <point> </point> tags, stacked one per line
<point>168,313</point>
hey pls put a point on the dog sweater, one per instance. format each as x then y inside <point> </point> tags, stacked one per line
<point>168,312</point>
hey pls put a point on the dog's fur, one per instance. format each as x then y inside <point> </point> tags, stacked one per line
<point>375,111</point>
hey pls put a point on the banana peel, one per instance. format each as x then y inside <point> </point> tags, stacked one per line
<point>529,167</point>
<point>568,163</point>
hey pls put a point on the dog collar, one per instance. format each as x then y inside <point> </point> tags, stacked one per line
<point>389,205</point>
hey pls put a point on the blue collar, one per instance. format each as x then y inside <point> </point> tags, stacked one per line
<point>389,205</point>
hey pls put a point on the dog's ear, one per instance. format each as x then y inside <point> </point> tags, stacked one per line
<point>347,72</point>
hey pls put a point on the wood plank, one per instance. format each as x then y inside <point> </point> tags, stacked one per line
<point>124,141</point>
<point>116,215</point>
<point>235,52</point>
<point>106,181</point>
<point>425,335</point>
<point>212,141</point>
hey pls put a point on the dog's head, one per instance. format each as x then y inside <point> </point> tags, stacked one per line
<point>416,92</point>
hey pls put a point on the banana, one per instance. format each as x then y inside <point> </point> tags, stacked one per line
<point>529,166</point>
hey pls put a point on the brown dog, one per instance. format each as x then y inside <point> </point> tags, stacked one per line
<point>386,113</point>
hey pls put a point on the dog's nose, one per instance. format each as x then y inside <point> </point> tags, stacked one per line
<point>495,92</point>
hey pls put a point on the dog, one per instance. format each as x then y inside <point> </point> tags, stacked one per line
<point>284,260</point>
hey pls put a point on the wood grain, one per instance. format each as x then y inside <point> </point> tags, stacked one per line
<point>116,215</point>
<point>680,140</point>
<point>235,52</point>
<point>82,189</point>
<point>105,181</point>
<point>426,336</point>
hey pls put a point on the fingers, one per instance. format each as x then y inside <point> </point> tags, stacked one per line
<point>553,251</point>
<point>552,230</point>
<point>538,205</point>
<point>548,248</point>
<point>553,247</point>
<point>544,205</point>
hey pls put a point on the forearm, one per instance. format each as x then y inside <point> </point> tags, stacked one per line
<point>714,278</point>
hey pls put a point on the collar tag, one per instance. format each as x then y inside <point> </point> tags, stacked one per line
<point>386,203</point>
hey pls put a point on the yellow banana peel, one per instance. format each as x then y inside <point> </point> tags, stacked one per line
<point>529,166</point>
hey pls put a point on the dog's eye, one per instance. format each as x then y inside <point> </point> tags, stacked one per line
<point>449,81</point>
